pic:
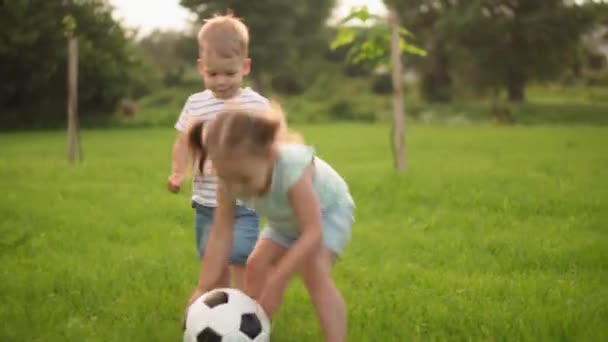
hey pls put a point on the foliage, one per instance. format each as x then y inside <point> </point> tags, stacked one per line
<point>374,47</point>
<point>172,53</point>
<point>33,57</point>
<point>283,33</point>
<point>508,43</point>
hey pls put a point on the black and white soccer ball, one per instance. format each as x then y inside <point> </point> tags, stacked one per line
<point>226,315</point>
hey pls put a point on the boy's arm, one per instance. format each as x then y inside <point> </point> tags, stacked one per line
<point>179,163</point>
<point>179,154</point>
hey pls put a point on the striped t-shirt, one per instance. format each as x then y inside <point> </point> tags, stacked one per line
<point>204,106</point>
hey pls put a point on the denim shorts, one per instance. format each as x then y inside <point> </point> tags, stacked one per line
<point>337,223</point>
<point>245,233</point>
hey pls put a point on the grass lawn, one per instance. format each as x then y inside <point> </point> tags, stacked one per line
<point>494,234</point>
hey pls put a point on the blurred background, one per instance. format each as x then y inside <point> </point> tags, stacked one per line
<point>506,61</point>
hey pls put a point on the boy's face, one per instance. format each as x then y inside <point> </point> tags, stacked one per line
<point>223,76</point>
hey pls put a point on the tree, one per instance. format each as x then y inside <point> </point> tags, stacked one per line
<point>513,42</point>
<point>383,36</point>
<point>495,45</point>
<point>430,20</point>
<point>171,52</point>
<point>280,30</point>
<point>33,61</point>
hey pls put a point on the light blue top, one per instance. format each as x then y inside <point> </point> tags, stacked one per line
<point>293,159</point>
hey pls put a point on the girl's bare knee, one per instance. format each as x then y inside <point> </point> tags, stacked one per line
<point>255,272</point>
<point>254,265</point>
<point>316,280</point>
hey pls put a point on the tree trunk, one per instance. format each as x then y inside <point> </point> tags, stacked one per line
<point>398,129</point>
<point>502,112</point>
<point>74,152</point>
<point>516,86</point>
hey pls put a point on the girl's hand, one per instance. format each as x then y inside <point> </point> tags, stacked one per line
<point>218,248</point>
<point>272,295</point>
<point>197,293</point>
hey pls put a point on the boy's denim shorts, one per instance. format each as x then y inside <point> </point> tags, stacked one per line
<point>337,229</point>
<point>245,234</point>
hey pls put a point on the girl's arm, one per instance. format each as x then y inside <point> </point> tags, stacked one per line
<point>308,212</point>
<point>219,244</point>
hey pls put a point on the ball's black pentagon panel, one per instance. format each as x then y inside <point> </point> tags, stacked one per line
<point>250,325</point>
<point>208,335</point>
<point>216,298</point>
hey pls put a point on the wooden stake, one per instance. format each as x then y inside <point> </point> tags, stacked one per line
<point>74,152</point>
<point>398,129</point>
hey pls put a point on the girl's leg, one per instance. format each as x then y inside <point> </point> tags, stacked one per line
<point>237,273</point>
<point>259,265</point>
<point>224,279</point>
<point>325,297</point>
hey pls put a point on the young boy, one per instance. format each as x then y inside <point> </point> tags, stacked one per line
<point>223,62</point>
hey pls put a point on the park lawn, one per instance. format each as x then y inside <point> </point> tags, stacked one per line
<point>494,233</point>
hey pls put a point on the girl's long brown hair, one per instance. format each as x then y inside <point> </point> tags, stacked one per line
<point>195,144</point>
<point>235,128</point>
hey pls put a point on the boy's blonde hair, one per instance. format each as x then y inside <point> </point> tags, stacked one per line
<point>224,35</point>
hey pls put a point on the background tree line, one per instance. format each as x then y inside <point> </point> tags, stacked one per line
<point>488,49</point>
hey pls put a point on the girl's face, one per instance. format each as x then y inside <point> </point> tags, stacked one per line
<point>247,175</point>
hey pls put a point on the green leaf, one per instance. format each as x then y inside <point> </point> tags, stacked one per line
<point>345,36</point>
<point>361,13</point>
<point>405,32</point>
<point>375,48</point>
<point>69,25</point>
<point>411,49</point>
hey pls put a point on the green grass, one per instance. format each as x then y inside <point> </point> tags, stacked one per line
<point>494,234</point>
<point>545,105</point>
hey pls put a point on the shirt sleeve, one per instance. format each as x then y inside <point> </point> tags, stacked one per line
<point>182,121</point>
<point>295,160</point>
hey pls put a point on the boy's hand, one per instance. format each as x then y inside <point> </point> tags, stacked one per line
<point>174,183</point>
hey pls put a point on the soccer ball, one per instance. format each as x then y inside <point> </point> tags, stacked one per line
<point>226,315</point>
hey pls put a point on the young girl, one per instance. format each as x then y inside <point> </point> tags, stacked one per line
<point>307,204</point>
